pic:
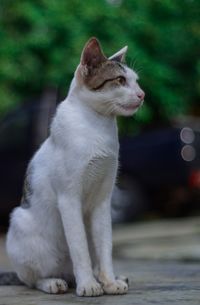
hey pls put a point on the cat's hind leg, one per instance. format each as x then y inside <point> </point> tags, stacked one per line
<point>52,285</point>
<point>35,256</point>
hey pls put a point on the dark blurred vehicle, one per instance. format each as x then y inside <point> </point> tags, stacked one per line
<point>159,172</point>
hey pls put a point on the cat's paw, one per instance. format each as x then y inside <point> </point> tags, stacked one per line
<point>123,278</point>
<point>58,286</point>
<point>89,289</point>
<point>118,286</point>
<point>51,285</point>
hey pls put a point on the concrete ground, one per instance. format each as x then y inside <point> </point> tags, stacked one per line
<point>161,259</point>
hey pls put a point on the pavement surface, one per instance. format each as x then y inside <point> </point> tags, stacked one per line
<point>161,259</point>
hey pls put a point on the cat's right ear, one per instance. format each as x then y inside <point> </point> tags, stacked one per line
<point>92,55</point>
<point>120,55</point>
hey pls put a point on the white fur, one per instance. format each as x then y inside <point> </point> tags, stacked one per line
<point>67,228</point>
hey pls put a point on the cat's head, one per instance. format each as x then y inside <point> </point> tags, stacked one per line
<point>107,84</point>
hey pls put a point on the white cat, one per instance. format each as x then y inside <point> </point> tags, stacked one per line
<point>63,226</point>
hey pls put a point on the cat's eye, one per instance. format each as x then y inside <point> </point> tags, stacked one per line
<point>121,80</point>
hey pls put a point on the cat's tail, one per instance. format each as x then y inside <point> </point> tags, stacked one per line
<point>9,278</point>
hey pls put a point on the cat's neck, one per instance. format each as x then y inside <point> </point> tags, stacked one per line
<point>77,97</point>
<point>75,116</point>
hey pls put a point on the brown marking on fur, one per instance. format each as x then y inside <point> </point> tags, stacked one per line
<point>118,81</point>
<point>27,189</point>
<point>103,278</point>
<point>95,68</point>
<point>95,77</point>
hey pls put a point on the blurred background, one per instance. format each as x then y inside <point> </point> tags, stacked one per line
<point>40,47</point>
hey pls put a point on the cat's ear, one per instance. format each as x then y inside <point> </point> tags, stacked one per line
<point>120,55</point>
<point>92,55</point>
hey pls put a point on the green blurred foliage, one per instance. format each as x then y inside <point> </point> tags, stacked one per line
<point>41,42</point>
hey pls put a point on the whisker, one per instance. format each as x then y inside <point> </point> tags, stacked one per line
<point>133,63</point>
<point>110,105</point>
<point>138,70</point>
<point>109,110</point>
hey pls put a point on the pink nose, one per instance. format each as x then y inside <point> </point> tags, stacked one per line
<point>141,95</point>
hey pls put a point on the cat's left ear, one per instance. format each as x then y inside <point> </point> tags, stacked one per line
<point>120,55</point>
<point>92,55</point>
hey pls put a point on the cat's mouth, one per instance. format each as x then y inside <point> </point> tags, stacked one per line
<point>131,106</point>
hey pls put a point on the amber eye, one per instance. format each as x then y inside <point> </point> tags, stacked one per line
<point>121,80</point>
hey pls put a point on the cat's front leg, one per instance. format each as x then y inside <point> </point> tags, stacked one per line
<point>101,230</point>
<point>71,214</point>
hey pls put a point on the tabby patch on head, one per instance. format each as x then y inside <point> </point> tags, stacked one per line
<point>99,70</point>
<point>107,84</point>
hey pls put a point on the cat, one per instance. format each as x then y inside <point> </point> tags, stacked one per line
<point>63,227</point>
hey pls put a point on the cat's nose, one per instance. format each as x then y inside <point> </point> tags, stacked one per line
<point>141,95</point>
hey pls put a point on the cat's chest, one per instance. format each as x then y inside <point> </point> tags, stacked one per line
<point>101,164</point>
<point>100,173</point>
